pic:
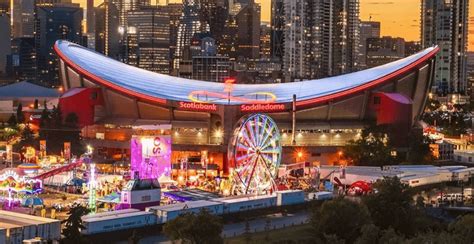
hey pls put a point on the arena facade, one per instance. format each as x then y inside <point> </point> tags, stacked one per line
<point>115,101</point>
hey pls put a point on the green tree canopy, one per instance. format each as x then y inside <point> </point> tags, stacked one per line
<point>372,148</point>
<point>340,217</point>
<point>20,117</point>
<point>12,120</point>
<point>464,227</point>
<point>390,206</point>
<point>419,151</point>
<point>201,228</point>
<point>73,225</point>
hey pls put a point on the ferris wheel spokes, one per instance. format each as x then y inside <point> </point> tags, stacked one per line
<point>255,153</point>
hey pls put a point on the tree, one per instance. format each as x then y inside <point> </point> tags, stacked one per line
<point>20,117</point>
<point>12,121</point>
<point>56,117</point>
<point>73,225</point>
<point>340,217</point>
<point>71,120</point>
<point>419,151</point>
<point>371,149</point>
<point>202,228</point>
<point>27,137</point>
<point>369,234</point>
<point>464,227</point>
<point>391,206</point>
<point>441,237</point>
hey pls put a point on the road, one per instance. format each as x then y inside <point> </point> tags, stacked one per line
<point>276,221</point>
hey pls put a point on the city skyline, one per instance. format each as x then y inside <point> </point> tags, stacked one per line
<point>385,11</point>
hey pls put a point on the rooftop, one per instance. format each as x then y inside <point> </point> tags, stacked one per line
<point>25,89</point>
<point>159,88</point>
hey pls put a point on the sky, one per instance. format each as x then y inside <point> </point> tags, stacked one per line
<point>399,18</point>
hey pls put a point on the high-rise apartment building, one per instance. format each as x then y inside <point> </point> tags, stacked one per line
<point>54,22</point>
<point>368,29</point>
<point>151,26</point>
<point>346,36</point>
<point>445,23</point>
<point>106,34</point>
<point>321,38</point>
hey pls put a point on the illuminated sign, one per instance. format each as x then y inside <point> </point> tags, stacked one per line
<point>150,156</point>
<point>198,106</point>
<point>269,107</point>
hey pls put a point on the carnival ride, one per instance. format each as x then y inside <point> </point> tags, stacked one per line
<point>254,155</point>
<point>14,187</point>
<point>62,169</point>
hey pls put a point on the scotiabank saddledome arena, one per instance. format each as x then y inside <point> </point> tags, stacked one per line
<point>115,101</point>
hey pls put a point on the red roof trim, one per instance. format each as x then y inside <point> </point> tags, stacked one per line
<point>368,85</point>
<point>104,82</point>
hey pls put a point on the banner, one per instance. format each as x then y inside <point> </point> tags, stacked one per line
<point>9,150</point>
<point>67,151</point>
<point>42,148</point>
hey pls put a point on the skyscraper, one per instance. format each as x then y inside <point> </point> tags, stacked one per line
<point>346,36</point>
<point>53,22</point>
<point>445,23</point>
<point>4,6</point>
<point>265,42</point>
<point>5,42</point>
<point>297,39</point>
<point>214,13</point>
<point>278,27</point>
<point>175,11</point>
<point>368,29</point>
<point>90,24</point>
<point>24,58</point>
<point>151,26</point>
<point>106,23</point>
<point>206,64</point>
<point>124,6</point>
<point>23,18</point>
<point>190,25</point>
<point>382,50</point>
<point>228,44</point>
<point>321,38</point>
<point>90,12</point>
<point>248,31</point>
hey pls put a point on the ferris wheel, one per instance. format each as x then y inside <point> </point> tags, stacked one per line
<point>254,154</point>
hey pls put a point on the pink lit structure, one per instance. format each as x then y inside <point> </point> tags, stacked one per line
<point>150,156</point>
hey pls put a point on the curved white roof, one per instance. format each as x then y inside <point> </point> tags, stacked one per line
<point>136,81</point>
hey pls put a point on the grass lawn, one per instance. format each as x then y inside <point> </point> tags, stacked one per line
<point>296,234</point>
